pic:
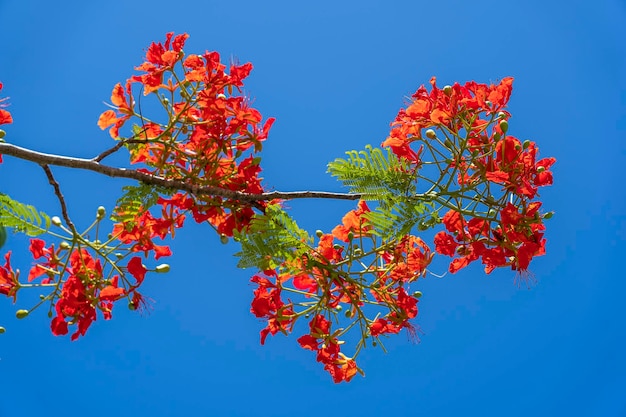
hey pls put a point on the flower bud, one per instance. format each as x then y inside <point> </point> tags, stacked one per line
<point>2,330</point>
<point>56,220</point>
<point>548,215</point>
<point>430,134</point>
<point>221,95</point>
<point>132,306</point>
<point>447,90</point>
<point>20,314</point>
<point>540,169</point>
<point>504,125</point>
<point>339,307</point>
<point>417,294</point>
<point>224,239</point>
<point>64,245</point>
<point>526,144</point>
<point>162,269</point>
<point>501,115</point>
<point>350,236</point>
<point>101,212</point>
<point>2,133</point>
<point>319,233</point>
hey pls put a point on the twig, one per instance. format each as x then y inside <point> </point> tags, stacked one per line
<point>57,191</point>
<point>94,165</point>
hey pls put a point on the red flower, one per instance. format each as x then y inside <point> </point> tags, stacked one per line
<point>5,116</point>
<point>9,282</point>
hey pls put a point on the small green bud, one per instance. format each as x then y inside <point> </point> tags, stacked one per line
<point>132,306</point>
<point>337,246</point>
<point>417,294</point>
<point>448,144</point>
<point>64,245</point>
<point>339,307</point>
<point>350,236</point>
<point>526,144</point>
<point>221,95</point>
<point>56,220</point>
<point>42,297</point>
<point>487,103</point>
<point>430,134</point>
<point>501,115</point>
<point>119,255</point>
<point>540,169</point>
<point>504,125</point>
<point>166,100</point>
<point>497,136</point>
<point>374,344</point>
<point>101,212</point>
<point>548,215</point>
<point>50,314</point>
<point>447,90</point>
<point>319,233</point>
<point>20,314</point>
<point>162,269</point>
<point>2,330</point>
<point>224,239</point>
<point>2,133</point>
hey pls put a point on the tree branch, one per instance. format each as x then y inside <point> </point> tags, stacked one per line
<point>95,166</point>
<point>57,191</point>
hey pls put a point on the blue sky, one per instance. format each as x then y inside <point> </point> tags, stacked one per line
<point>334,74</point>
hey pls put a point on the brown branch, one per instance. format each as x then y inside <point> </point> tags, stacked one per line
<point>95,166</point>
<point>57,191</point>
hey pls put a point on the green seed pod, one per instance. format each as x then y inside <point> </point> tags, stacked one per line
<point>162,269</point>
<point>504,125</point>
<point>20,314</point>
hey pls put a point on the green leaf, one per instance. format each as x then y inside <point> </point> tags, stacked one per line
<point>137,199</point>
<point>376,174</point>
<point>22,217</point>
<point>271,239</point>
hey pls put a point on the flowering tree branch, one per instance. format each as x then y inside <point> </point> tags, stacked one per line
<point>449,161</point>
<point>173,184</point>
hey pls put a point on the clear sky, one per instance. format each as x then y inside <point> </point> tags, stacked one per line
<point>334,74</point>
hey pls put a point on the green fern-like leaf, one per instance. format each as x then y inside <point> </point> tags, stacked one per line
<point>374,173</point>
<point>22,217</point>
<point>136,200</point>
<point>270,240</point>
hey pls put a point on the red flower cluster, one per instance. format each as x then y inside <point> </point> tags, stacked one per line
<point>330,278</point>
<point>81,286</point>
<point>503,227</point>
<point>211,135</point>
<point>328,349</point>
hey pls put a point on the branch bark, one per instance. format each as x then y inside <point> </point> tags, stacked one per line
<point>115,172</point>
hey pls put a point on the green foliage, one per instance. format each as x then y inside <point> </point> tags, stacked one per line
<point>136,200</point>
<point>397,220</point>
<point>376,174</point>
<point>271,239</point>
<point>380,175</point>
<point>22,217</point>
